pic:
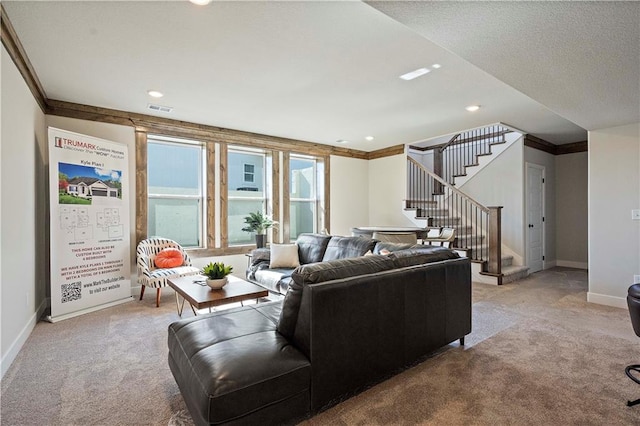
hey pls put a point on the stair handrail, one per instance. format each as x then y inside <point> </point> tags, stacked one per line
<point>446,145</point>
<point>494,219</point>
<point>448,185</point>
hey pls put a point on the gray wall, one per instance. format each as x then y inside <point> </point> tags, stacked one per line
<point>572,210</point>
<point>23,254</point>
<point>614,190</point>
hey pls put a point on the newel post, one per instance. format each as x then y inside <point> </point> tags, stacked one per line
<point>438,169</point>
<point>495,241</point>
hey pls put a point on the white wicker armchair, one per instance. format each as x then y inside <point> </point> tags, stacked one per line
<point>149,275</point>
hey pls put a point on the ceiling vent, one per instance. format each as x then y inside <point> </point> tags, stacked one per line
<point>159,108</point>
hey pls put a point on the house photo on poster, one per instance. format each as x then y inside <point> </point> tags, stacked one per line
<point>89,213</point>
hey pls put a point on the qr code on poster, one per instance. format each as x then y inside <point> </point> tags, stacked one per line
<point>71,292</point>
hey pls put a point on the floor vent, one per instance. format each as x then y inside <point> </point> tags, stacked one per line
<point>159,108</point>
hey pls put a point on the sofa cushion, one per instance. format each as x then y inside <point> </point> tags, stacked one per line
<point>284,256</point>
<point>346,247</point>
<point>341,268</point>
<point>321,272</point>
<point>158,277</point>
<point>391,247</point>
<point>275,280</point>
<point>419,255</point>
<point>311,247</point>
<point>233,363</point>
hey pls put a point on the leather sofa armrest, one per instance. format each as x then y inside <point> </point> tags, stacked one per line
<point>260,259</point>
<point>260,255</point>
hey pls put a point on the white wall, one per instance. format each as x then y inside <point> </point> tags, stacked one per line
<point>614,190</point>
<point>502,184</point>
<point>23,193</point>
<point>349,188</point>
<point>387,190</point>
<point>572,210</point>
<point>547,161</point>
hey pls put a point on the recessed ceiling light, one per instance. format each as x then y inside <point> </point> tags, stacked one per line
<point>342,141</point>
<point>200,2</point>
<point>369,138</point>
<point>414,74</point>
<point>436,66</point>
<point>472,108</point>
<point>155,93</point>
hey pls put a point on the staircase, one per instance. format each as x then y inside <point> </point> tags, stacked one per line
<point>434,201</point>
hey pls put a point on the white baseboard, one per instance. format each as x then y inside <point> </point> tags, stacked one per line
<point>19,341</point>
<point>135,291</point>
<point>548,264</point>
<point>571,264</point>
<point>88,310</point>
<point>604,299</point>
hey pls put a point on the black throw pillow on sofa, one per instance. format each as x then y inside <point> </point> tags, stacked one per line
<point>311,247</point>
<point>347,247</point>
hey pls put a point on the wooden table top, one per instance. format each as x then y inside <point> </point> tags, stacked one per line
<point>200,295</point>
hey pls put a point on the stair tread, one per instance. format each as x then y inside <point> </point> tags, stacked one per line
<point>513,269</point>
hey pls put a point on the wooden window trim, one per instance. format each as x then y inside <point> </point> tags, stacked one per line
<point>224,196</point>
<point>211,195</point>
<point>141,186</point>
<point>286,212</point>
<point>327,194</point>
<point>275,195</point>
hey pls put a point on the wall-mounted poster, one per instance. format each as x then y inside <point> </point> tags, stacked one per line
<point>89,213</point>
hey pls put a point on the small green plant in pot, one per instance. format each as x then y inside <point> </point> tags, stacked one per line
<point>217,274</point>
<point>258,222</point>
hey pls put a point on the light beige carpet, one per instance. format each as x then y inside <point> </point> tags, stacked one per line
<point>538,354</point>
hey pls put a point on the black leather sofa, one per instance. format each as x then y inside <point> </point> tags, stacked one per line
<point>343,325</point>
<point>312,248</point>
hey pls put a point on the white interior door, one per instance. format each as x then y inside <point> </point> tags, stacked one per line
<point>535,217</point>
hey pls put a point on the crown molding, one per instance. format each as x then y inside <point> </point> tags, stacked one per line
<point>386,152</point>
<point>542,145</point>
<point>572,148</point>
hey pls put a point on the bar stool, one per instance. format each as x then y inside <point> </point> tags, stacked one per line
<point>633,301</point>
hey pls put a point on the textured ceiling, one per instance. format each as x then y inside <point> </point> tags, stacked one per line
<point>314,71</point>
<point>581,59</point>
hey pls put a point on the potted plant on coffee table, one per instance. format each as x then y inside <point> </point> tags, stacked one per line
<point>258,222</point>
<point>217,274</point>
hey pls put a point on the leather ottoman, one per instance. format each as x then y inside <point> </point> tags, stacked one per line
<point>234,367</point>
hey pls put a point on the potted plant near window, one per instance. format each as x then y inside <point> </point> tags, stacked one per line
<point>259,223</point>
<point>217,274</point>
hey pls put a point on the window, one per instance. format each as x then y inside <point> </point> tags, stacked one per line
<point>175,190</point>
<point>249,171</point>
<point>303,216</point>
<point>247,191</point>
<point>199,192</point>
